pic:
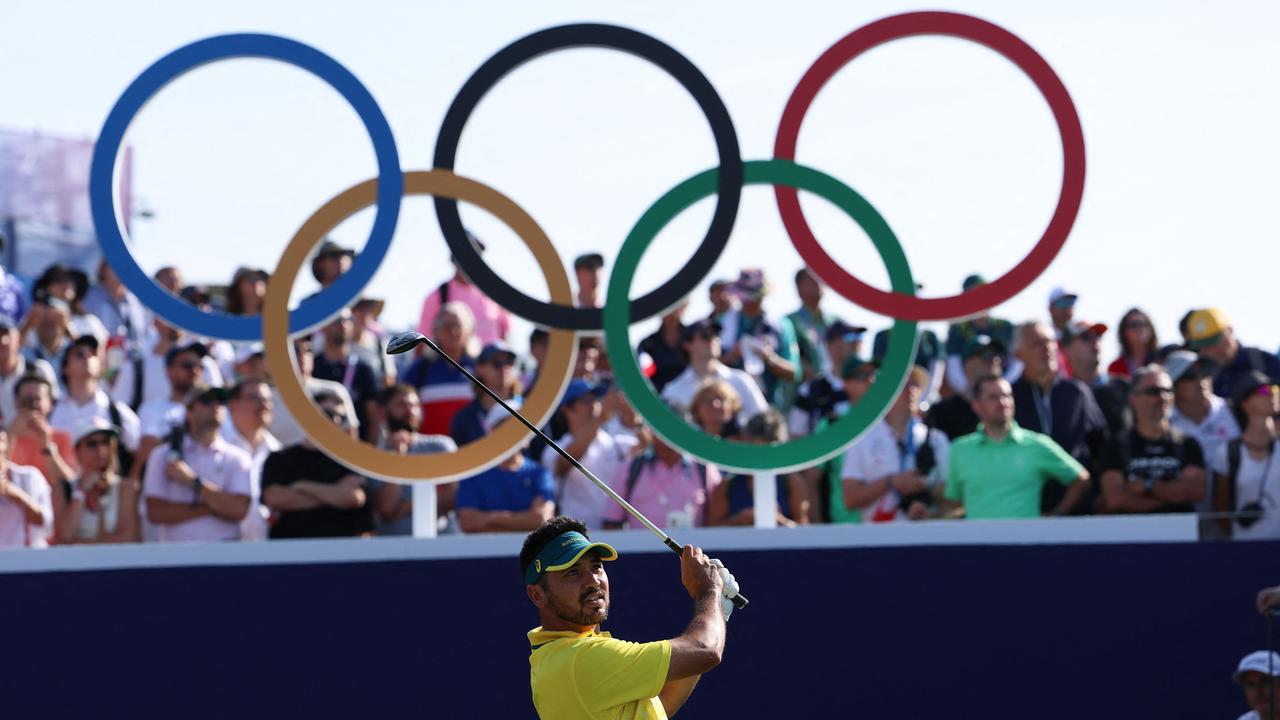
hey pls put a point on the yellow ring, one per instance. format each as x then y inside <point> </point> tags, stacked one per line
<point>473,457</point>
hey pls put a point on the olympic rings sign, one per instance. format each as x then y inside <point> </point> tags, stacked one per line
<point>726,181</point>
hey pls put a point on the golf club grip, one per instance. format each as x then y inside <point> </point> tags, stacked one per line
<point>740,601</point>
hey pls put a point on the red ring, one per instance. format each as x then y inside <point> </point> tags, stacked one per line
<point>983,297</point>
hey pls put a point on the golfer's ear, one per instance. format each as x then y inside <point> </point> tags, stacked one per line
<point>537,595</point>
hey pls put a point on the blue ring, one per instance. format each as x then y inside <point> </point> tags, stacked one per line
<point>217,324</point>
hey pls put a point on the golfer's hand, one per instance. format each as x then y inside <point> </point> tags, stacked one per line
<point>697,573</point>
<point>728,590</point>
<point>1269,599</point>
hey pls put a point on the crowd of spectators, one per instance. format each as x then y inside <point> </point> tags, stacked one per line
<point>118,427</point>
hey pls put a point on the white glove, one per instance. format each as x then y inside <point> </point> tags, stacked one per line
<point>729,591</point>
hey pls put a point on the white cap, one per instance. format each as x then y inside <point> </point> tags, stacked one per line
<point>1059,293</point>
<point>1257,662</point>
<point>1179,362</point>
<point>497,413</point>
<point>90,425</point>
<point>244,352</point>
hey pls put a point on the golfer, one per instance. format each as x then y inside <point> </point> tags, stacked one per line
<point>578,671</point>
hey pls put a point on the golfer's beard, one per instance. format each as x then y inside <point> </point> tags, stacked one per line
<point>578,614</point>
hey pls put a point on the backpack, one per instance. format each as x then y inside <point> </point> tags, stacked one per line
<point>637,466</point>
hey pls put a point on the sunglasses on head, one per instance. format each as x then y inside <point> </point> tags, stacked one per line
<point>1155,390</point>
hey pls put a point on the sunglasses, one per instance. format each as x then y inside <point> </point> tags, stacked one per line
<point>1267,390</point>
<point>1155,390</point>
<point>95,443</point>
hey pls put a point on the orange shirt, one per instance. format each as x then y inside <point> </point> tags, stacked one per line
<point>24,450</point>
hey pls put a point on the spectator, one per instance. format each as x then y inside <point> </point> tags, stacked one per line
<point>369,338</point>
<point>930,356</point>
<point>1210,333</point>
<point>159,417</point>
<point>26,508</point>
<point>1000,471</point>
<point>590,351</point>
<point>330,262</point>
<point>1197,412</point>
<point>722,301</point>
<point>716,409</point>
<point>959,333</point>
<point>14,365</point>
<point>1138,343</point>
<point>894,470</point>
<point>490,320</point>
<point>766,350</point>
<point>1082,345</point>
<point>518,494</point>
<point>1062,306</point>
<point>1259,675</point>
<point>69,285</point>
<point>954,416</point>
<point>586,440</point>
<point>251,363</point>
<point>1063,409</point>
<point>667,486</point>
<point>315,495</point>
<point>169,278</point>
<point>153,384</point>
<point>84,398</point>
<point>247,291</point>
<point>810,324</point>
<point>197,489</point>
<point>50,330</point>
<point>701,344</point>
<point>495,367</point>
<point>102,506</point>
<point>283,426</point>
<point>123,316</point>
<point>664,348</point>
<point>538,339</point>
<point>733,501</point>
<point>401,413</point>
<point>443,388</point>
<point>1153,468</point>
<point>13,293</point>
<point>822,399</point>
<point>857,374</point>
<point>250,405</point>
<point>589,270</point>
<point>1247,480</point>
<point>339,363</point>
<point>33,442</point>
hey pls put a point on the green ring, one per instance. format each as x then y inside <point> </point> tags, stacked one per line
<point>745,457</point>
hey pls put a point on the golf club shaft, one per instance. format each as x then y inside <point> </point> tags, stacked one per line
<point>738,600</point>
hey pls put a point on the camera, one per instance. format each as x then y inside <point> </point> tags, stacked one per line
<point>1249,514</point>
<point>175,442</point>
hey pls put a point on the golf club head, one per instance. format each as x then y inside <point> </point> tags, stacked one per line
<point>404,342</point>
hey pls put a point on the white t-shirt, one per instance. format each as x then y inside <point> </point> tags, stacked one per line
<point>254,526</point>
<point>1252,487</point>
<point>155,380</point>
<point>15,531</point>
<point>877,454</point>
<point>578,497</point>
<point>1217,429</point>
<point>158,417</point>
<point>679,392</point>
<point>67,415</point>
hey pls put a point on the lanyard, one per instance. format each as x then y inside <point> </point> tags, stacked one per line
<point>1044,408</point>
<point>907,447</point>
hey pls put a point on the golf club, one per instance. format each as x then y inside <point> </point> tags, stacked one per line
<point>406,341</point>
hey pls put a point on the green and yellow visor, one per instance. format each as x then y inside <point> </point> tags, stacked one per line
<point>562,552</point>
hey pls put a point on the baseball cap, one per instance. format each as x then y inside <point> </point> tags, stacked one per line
<point>198,348</point>
<point>843,330</point>
<point>980,344</point>
<point>562,553</point>
<point>1179,362</point>
<point>579,388</point>
<point>1257,662</point>
<point>245,352</point>
<point>705,325</point>
<point>89,425</point>
<point>973,281</point>
<point>494,349</point>
<point>591,260</point>
<point>853,364</point>
<point>87,341</point>
<point>1062,296</point>
<point>1081,328</point>
<point>200,393</point>
<point>1204,327</point>
<point>329,247</point>
<point>1248,384</point>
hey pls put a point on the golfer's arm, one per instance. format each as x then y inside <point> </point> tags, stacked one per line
<point>676,692</point>
<point>701,646</point>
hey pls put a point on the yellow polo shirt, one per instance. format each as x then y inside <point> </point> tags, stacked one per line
<point>591,675</point>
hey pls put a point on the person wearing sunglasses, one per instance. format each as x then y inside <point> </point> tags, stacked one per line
<point>1153,468</point>
<point>199,490</point>
<point>102,507</point>
<point>1246,470</point>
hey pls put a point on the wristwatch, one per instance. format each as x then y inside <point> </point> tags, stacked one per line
<point>1148,484</point>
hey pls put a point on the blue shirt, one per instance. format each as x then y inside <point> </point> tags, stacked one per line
<point>468,424</point>
<point>498,489</point>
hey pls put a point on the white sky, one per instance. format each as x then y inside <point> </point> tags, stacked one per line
<point>1179,103</point>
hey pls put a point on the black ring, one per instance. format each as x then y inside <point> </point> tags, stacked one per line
<point>551,315</point>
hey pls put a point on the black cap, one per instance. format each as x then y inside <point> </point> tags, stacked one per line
<point>198,348</point>
<point>980,344</point>
<point>591,260</point>
<point>201,392</point>
<point>497,348</point>
<point>854,364</point>
<point>329,247</point>
<point>706,325</point>
<point>87,341</point>
<point>842,329</point>
<point>1248,384</point>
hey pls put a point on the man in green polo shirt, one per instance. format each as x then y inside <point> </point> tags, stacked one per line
<point>999,471</point>
<point>578,672</point>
